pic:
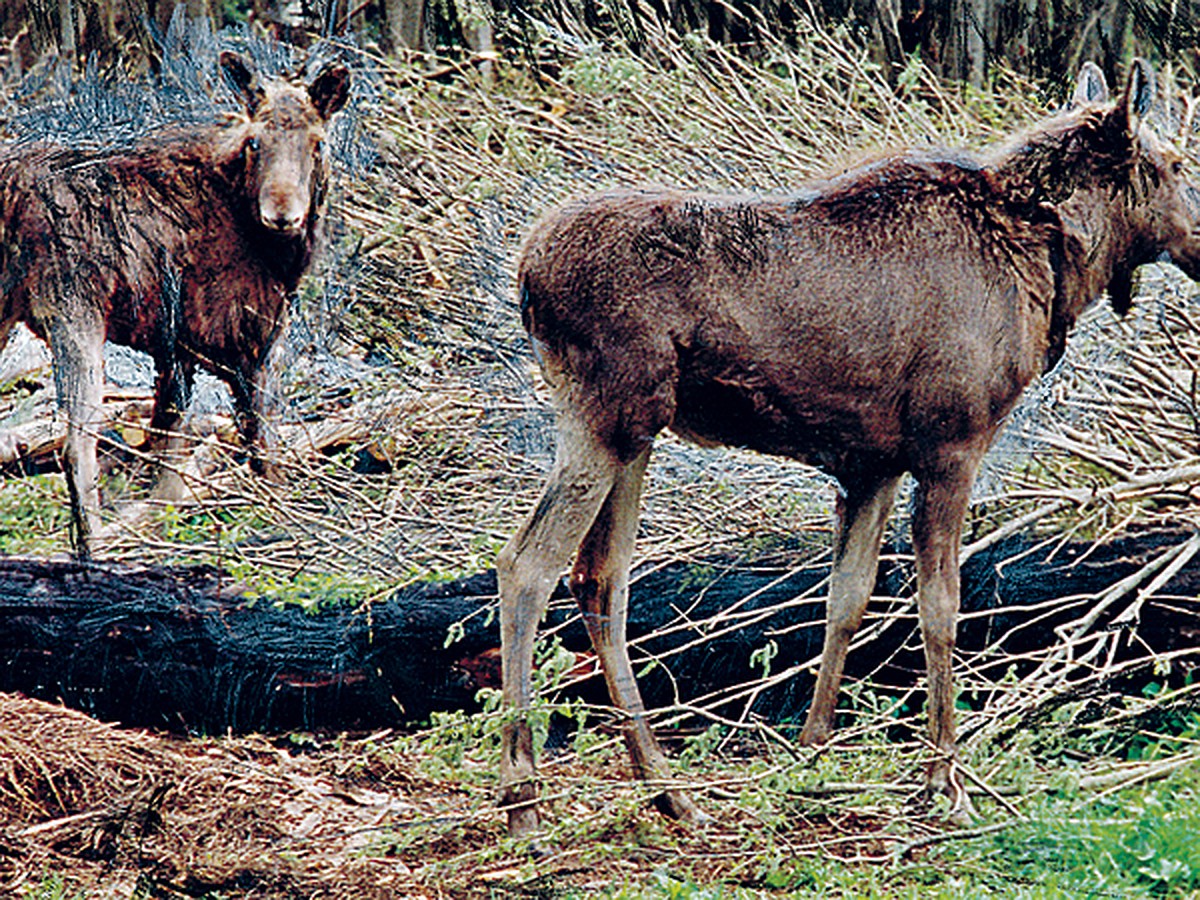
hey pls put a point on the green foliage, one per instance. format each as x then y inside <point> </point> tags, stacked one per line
<point>455,737</point>
<point>53,886</point>
<point>34,514</point>
<point>1071,840</point>
<point>663,886</point>
<point>606,74</point>
<point>1144,845</point>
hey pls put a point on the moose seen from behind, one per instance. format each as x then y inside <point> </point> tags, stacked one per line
<point>187,246</point>
<point>880,322</point>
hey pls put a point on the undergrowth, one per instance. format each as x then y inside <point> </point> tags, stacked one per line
<point>848,822</point>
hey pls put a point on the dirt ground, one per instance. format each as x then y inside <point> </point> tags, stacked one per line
<point>119,813</point>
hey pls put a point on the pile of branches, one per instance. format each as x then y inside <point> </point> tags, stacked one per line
<point>129,813</point>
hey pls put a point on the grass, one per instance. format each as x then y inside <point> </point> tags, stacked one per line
<point>33,514</point>
<point>781,832</point>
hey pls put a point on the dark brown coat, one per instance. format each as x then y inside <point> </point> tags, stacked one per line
<point>187,246</point>
<point>883,321</point>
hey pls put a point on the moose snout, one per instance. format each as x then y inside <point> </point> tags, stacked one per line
<point>283,213</point>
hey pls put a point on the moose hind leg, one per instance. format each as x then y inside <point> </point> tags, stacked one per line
<point>862,511</point>
<point>600,585</point>
<point>527,569</point>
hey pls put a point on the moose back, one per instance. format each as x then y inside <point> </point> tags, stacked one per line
<point>880,322</point>
<point>186,246</point>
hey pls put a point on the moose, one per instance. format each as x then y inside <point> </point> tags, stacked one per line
<point>186,245</point>
<point>880,322</point>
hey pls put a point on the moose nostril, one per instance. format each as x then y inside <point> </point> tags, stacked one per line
<point>283,222</point>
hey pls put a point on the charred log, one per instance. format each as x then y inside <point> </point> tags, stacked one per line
<point>192,650</point>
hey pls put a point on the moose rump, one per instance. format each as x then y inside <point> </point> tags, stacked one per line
<point>879,322</point>
<point>186,245</point>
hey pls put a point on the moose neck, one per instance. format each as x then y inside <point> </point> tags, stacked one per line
<point>1101,248</point>
<point>1078,168</point>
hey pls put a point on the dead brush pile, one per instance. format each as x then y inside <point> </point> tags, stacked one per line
<point>127,813</point>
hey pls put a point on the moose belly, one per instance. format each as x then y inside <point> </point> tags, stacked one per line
<point>818,424</point>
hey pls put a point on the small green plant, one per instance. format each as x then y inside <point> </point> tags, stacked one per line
<point>53,886</point>
<point>606,73</point>
<point>34,514</point>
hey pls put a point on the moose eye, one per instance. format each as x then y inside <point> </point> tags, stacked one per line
<point>1177,167</point>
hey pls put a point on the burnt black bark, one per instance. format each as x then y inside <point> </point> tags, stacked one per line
<point>190,650</point>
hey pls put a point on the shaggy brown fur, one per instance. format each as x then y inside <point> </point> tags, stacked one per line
<point>881,322</point>
<point>186,246</point>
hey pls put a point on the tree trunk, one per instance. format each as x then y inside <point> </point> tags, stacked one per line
<point>405,24</point>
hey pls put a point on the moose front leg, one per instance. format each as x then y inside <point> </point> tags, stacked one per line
<point>77,344</point>
<point>941,506</point>
<point>253,402</point>
<point>172,393</point>
<point>862,512</point>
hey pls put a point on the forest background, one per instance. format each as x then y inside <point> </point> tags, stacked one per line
<point>956,39</point>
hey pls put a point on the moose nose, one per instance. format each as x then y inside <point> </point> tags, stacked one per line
<point>282,214</point>
<point>284,222</point>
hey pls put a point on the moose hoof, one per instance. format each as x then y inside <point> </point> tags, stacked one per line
<point>519,801</point>
<point>522,821</point>
<point>962,813</point>
<point>949,783</point>
<point>682,808</point>
<point>815,734</point>
<point>808,739</point>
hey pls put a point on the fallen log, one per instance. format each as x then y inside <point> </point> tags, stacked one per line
<point>192,650</point>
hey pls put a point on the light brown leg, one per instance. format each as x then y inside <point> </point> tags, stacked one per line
<point>527,569</point>
<point>941,506</point>
<point>78,349</point>
<point>600,584</point>
<point>265,402</point>
<point>172,392</point>
<point>862,514</point>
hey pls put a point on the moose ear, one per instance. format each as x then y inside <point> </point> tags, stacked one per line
<point>1090,88</point>
<point>1139,95</point>
<point>241,79</point>
<point>330,89</point>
